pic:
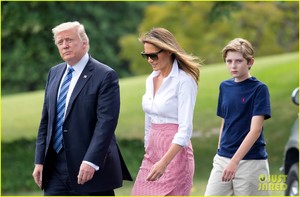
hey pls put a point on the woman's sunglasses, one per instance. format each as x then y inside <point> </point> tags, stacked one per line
<point>153,56</point>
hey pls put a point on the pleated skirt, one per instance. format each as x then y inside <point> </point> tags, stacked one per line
<point>177,179</point>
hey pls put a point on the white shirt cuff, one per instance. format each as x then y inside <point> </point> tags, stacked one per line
<point>91,164</point>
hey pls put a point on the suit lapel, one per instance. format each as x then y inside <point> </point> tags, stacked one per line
<point>82,80</point>
<point>54,89</point>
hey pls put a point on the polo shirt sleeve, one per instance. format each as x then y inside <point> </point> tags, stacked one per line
<point>262,104</point>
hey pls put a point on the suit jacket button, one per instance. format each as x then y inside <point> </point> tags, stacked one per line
<point>65,130</point>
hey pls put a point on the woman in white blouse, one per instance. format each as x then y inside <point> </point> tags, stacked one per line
<point>171,90</point>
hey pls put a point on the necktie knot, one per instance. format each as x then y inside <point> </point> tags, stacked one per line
<point>70,70</point>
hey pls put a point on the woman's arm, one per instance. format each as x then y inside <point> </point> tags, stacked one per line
<point>158,169</point>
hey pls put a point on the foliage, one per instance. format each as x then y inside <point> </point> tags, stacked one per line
<point>28,50</point>
<point>203,28</point>
<point>223,9</point>
<point>17,166</point>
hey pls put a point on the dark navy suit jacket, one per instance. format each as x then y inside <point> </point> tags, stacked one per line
<point>89,126</point>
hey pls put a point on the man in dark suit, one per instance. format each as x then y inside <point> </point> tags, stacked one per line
<point>76,148</point>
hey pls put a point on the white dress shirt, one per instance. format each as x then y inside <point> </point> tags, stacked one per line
<point>173,102</point>
<point>78,68</point>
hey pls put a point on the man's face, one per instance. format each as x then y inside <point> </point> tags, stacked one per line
<point>70,47</point>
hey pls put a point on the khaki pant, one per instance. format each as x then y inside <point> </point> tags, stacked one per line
<point>245,183</point>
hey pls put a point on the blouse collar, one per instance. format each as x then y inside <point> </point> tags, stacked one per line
<point>174,72</point>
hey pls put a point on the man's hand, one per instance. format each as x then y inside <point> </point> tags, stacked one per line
<point>38,174</point>
<point>86,173</point>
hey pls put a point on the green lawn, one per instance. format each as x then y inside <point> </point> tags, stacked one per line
<point>21,114</point>
<point>197,190</point>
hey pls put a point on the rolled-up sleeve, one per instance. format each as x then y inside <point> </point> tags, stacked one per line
<point>187,93</point>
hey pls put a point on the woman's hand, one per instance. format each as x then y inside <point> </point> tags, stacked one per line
<point>156,171</point>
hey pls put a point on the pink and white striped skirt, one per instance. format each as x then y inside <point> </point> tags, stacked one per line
<point>177,179</point>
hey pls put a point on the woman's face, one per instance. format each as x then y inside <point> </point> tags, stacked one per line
<point>157,58</point>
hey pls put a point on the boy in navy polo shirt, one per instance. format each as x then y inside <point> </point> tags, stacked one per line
<point>243,105</point>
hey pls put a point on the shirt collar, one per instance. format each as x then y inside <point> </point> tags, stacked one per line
<point>175,69</point>
<point>79,66</point>
<point>174,72</point>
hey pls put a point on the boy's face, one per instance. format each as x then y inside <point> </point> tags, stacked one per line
<point>238,66</point>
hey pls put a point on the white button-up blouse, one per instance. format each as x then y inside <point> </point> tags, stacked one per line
<point>173,102</point>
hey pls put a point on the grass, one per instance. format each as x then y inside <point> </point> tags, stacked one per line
<point>21,114</point>
<point>197,190</point>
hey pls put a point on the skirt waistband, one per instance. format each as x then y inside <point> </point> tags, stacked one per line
<point>164,126</point>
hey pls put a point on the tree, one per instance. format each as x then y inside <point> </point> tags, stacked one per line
<point>28,50</point>
<point>203,28</point>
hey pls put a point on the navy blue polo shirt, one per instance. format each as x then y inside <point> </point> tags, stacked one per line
<point>238,103</point>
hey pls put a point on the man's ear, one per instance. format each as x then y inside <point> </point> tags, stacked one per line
<point>84,44</point>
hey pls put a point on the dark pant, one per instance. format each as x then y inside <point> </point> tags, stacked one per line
<point>58,182</point>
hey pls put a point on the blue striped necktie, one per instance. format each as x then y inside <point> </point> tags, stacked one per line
<point>60,111</point>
